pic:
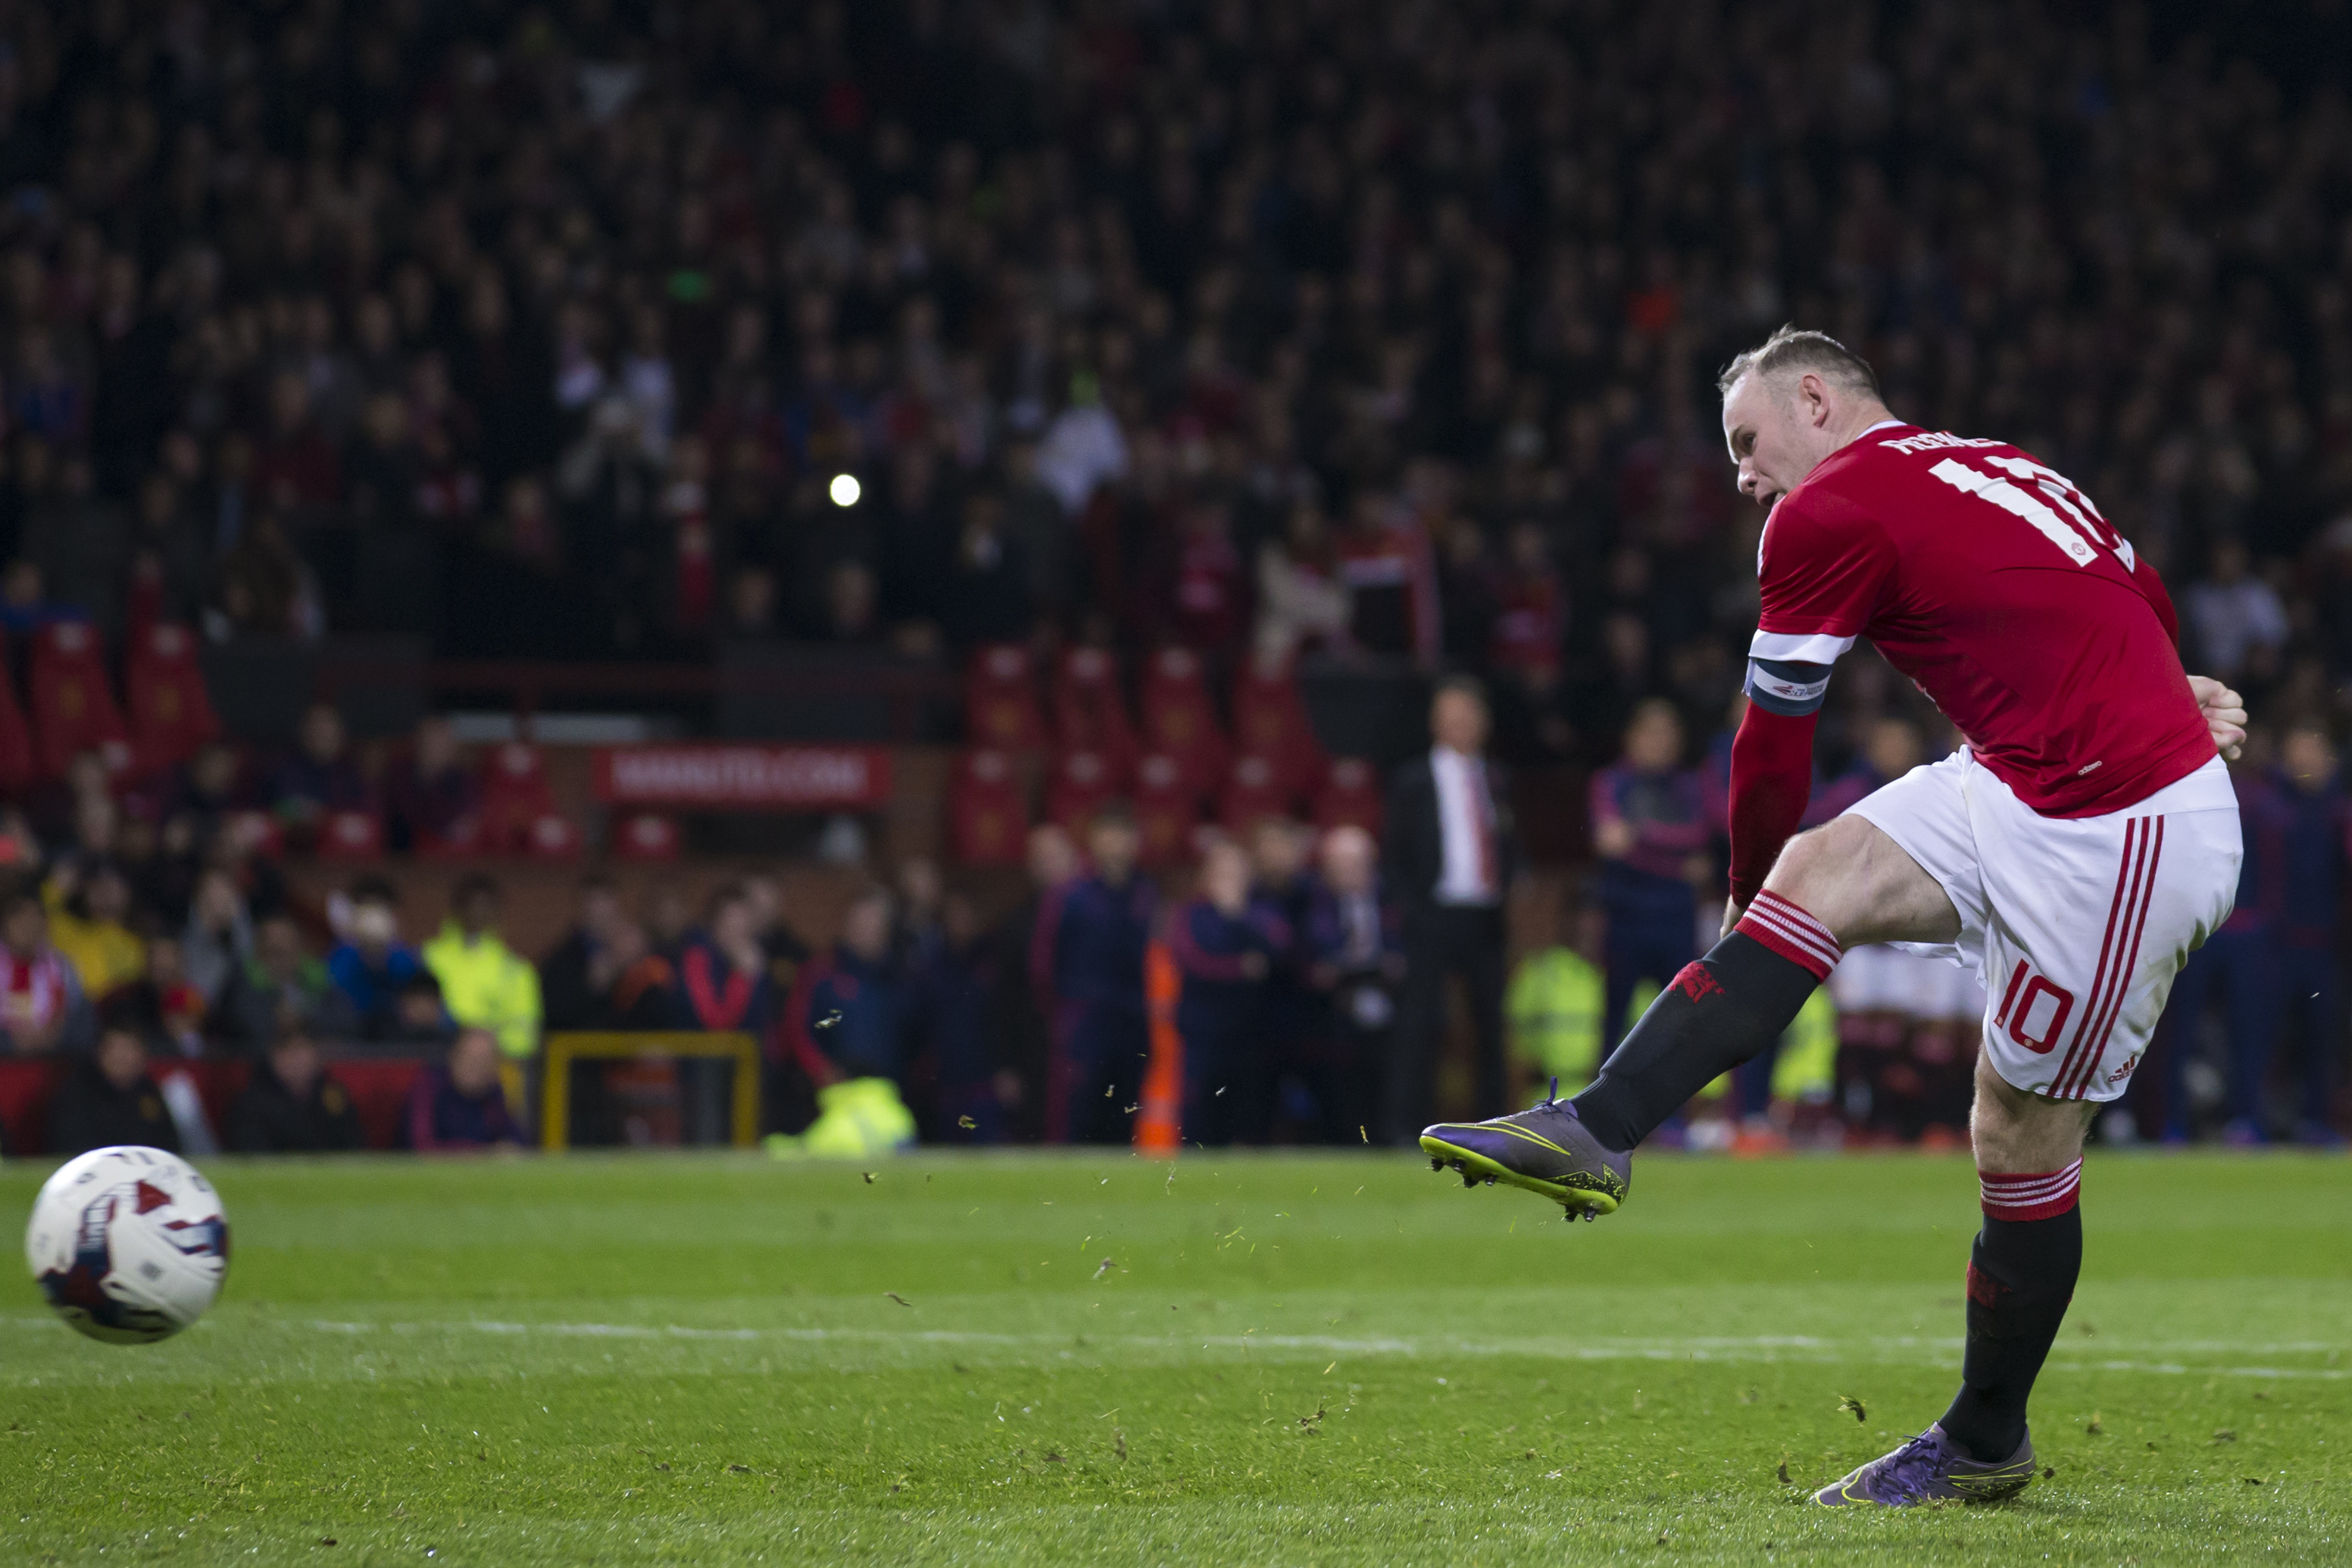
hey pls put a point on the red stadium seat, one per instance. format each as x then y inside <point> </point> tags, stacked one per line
<point>171,712</point>
<point>646,836</point>
<point>1351,796</point>
<point>73,703</point>
<point>988,822</point>
<point>351,835</point>
<point>1270,718</point>
<point>515,798</point>
<point>1166,811</point>
<point>1180,721</point>
<point>999,700</point>
<point>1089,710</point>
<point>1256,788</point>
<point>1081,783</point>
<point>552,836</point>
<point>462,842</point>
<point>258,834</point>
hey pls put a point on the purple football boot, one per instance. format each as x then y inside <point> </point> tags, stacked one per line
<point>1931,1468</point>
<point>1546,1149</point>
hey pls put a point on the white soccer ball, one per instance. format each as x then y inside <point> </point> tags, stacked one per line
<point>128,1244</point>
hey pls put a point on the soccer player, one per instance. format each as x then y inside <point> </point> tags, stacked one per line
<point>2074,852</point>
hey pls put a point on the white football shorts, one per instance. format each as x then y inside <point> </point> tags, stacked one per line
<point>2075,926</point>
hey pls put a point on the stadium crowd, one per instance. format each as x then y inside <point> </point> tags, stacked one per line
<point>1380,335</point>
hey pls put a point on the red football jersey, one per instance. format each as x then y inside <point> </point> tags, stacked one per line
<point>1995,584</point>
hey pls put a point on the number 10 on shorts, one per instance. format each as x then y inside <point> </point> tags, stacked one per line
<point>2034,1009</point>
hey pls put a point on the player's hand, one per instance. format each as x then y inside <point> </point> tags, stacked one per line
<point>2225,714</point>
<point>1731,913</point>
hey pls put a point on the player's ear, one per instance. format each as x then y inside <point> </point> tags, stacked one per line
<point>1813,392</point>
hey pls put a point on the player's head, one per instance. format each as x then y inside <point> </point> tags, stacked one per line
<point>1791,402</point>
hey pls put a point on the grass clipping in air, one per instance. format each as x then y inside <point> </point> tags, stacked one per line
<point>1335,1360</point>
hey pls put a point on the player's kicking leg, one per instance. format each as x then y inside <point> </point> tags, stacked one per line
<point>1843,884</point>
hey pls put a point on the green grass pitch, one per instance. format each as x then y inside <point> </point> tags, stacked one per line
<point>1288,1359</point>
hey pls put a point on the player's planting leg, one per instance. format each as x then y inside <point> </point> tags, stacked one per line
<point>2022,1276</point>
<point>2023,1270</point>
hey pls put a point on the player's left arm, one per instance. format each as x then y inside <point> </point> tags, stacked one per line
<point>2224,709</point>
<point>2225,714</point>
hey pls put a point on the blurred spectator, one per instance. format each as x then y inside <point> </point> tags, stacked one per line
<point>372,963</point>
<point>921,909</point>
<point>264,589</point>
<point>1023,1010</point>
<point>418,1015</point>
<point>1354,949</point>
<point>42,1005</point>
<point>1291,1014</point>
<point>847,1017</point>
<point>281,987</point>
<point>432,797</point>
<point>483,984</point>
<point>2236,618</point>
<point>1095,964</point>
<point>319,778</point>
<point>1890,748</point>
<point>985,597</point>
<point>1450,856</point>
<point>1224,946</point>
<point>90,913</point>
<point>722,971</point>
<point>168,1008</point>
<point>208,789</point>
<point>784,949</point>
<point>2274,958</point>
<point>292,1104</point>
<point>641,990</point>
<point>577,973</point>
<point>458,1103</point>
<point>953,979</point>
<point>219,935</point>
<point>106,1097</point>
<point>1300,602</point>
<point>1650,830</point>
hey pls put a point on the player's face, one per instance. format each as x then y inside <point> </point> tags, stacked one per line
<point>1767,433</point>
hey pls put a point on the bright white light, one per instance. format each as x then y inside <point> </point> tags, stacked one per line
<point>844,489</point>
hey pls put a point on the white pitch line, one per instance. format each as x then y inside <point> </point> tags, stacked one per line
<point>1712,1348</point>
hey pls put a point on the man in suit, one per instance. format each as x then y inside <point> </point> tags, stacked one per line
<point>1450,858</point>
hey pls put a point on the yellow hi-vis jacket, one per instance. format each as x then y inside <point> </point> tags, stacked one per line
<point>486,985</point>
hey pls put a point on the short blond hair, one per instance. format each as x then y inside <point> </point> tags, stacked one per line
<point>1789,349</point>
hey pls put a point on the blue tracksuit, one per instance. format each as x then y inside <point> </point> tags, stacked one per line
<point>1101,1036</point>
<point>2274,958</point>
<point>1652,908</point>
<point>1220,1013</point>
<point>954,985</point>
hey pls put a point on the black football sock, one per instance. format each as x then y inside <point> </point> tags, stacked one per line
<point>1717,1014</point>
<point>2022,1276</point>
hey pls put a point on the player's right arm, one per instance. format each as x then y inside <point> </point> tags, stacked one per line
<point>1821,578</point>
